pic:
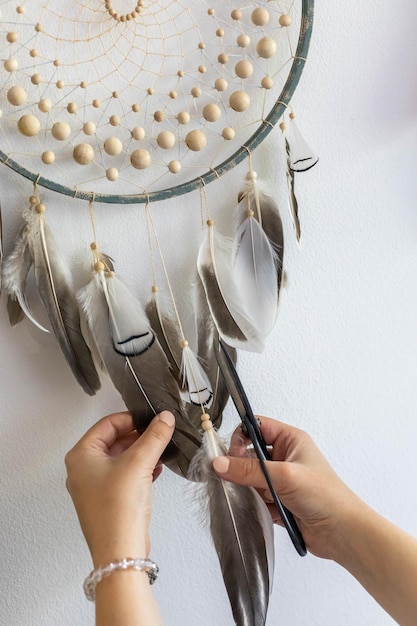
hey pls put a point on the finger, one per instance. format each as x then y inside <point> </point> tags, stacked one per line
<point>107,430</point>
<point>151,444</point>
<point>244,471</point>
<point>283,438</point>
<point>239,443</point>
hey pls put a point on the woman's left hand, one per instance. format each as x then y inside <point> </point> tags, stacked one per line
<point>110,472</point>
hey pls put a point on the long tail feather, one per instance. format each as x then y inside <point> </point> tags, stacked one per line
<point>227,306</point>
<point>167,332</point>
<point>242,533</point>
<point>61,306</point>
<point>136,363</point>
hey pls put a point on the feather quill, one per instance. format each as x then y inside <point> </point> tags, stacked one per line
<point>242,532</point>
<point>225,300</point>
<point>136,363</point>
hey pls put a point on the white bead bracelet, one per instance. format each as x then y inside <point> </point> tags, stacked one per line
<point>98,574</point>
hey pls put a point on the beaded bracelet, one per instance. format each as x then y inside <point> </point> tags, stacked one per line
<point>96,575</point>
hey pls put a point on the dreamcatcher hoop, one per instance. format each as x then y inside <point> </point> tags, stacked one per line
<point>214,173</point>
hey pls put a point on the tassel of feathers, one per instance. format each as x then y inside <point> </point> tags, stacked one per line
<point>135,361</point>
<point>241,529</point>
<point>36,247</point>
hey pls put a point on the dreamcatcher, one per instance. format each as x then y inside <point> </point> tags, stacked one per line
<point>140,107</point>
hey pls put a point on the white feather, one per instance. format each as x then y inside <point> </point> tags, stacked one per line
<point>195,379</point>
<point>225,297</point>
<point>254,270</point>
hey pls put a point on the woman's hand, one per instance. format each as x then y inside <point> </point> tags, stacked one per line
<point>110,472</point>
<point>303,479</point>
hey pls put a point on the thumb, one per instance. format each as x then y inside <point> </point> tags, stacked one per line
<point>152,443</point>
<point>241,470</point>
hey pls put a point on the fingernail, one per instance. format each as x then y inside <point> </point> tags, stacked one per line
<point>221,464</point>
<point>268,496</point>
<point>167,417</point>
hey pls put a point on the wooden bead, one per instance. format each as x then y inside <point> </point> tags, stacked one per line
<point>211,112</point>
<point>159,116</point>
<point>251,175</point>
<point>112,173</point>
<point>72,107</point>
<point>61,131</point>
<point>38,28</point>
<point>57,62</point>
<point>292,115</point>
<point>96,103</point>
<point>113,146</point>
<point>20,10</point>
<point>223,58</point>
<point>210,223</point>
<point>228,133</point>
<point>267,82</point>
<point>48,157</point>
<point>205,417</point>
<point>244,69</point>
<point>283,126</point>
<point>135,108</point>
<point>196,140</point>
<point>29,125</point>
<point>16,96</point>
<point>114,120</point>
<point>239,101</point>
<point>201,45</point>
<point>83,154</point>
<point>210,11</point>
<point>285,20</point>
<point>40,208</point>
<point>180,73</point>
<point>183,117</point>
<point>202,69</point>
<point>155,289</point>
<point>184,343</point>
<point>266,47</point>
<point>165,139</point>
<point>260,16</point>
<point>138,133</point>
<point>11,65</point>
<point>99,266</point>
<point>36,79</point>
<point>33,53</point>
<point>83,84</point>
<point>221,84</point>
<point>236,14</point>
<point>89,128</point>
<point>44,105</point>
<point>174,167</point>
<point>173,95</point>
<point>220,32</point>
<point>150,91</point>
<point>243,41</point>
<point>206,426</point>
<point>196,92</point>
<point>33,200</point>
<point>12,37</point>
<point>140,159</point>
<point>93,245</point>
<point>60,84</point>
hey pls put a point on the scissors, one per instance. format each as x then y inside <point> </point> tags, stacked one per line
<point>249,421</point>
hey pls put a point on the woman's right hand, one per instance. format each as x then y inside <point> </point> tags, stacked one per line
<point>303,479</point>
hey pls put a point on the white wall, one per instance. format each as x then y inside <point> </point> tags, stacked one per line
<point>341,363</point>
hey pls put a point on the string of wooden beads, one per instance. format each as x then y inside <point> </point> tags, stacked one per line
<point>123,17</point>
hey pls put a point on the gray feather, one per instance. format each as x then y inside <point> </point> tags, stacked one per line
<point>242,533</point>
<point>144,380</point>
<point>168,335</point>
<point>292,198</point>
<point>56,294</point>
<point>15,271</point>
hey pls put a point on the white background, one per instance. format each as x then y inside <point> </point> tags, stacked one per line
<point>341,363</point>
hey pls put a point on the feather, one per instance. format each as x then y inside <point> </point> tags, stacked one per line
<point>224,298</point>
<point>195,379</point>
<point>55,292</point>
<point>167,332</point>
<point>15,272</point>
<point>242,532</point>
<point>136,363</point>
<point>292,198</point>
<point>255,270</point>
<point>1,250</point>
<point>300,156</point>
